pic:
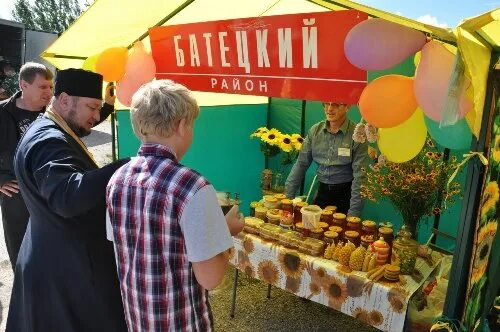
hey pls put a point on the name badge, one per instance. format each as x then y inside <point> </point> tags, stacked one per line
<point>344,152</point>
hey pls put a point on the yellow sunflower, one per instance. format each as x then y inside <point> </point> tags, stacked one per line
<point>242,259</point>
<point>259,132</point>
<point>272,137</point>
<point>496,149</point>
<point>484,243</point>
<point>335,290</point>
<point>490,198</point>
<point>291,263</point>
<point>297,141</point>
<point>286,143</point>
<point>268,272</point>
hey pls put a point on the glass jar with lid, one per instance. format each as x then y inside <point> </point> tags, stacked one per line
<point>353,224</point>
<point>339,220</point>
<point>327,216</point>
<point>353,237</point>
<point>287,205</point>
<point>297,215</point>
<point>369,227</point>
<point>404,251</point>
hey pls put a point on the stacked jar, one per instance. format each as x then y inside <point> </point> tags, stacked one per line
<point>368,233</point>
<point>297,215</point>
<point>287,205</point>
<point>353,224</point>
<point>387,234</point>
<point>261,213</point>
<point>339,220</point>
<point>327,217</point>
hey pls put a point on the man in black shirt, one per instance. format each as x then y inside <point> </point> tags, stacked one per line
<point>16,115</point>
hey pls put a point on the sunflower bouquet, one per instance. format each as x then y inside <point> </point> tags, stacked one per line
<point>273,142</point>
<point>416,188</point>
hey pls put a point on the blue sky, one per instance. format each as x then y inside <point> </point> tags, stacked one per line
<point>438,12</point>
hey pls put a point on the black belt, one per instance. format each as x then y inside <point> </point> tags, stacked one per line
<point>333,187</point>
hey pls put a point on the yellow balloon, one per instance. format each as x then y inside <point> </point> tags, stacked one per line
<point>89,63</point>
<point>416,59</point>
<point>403,142</point>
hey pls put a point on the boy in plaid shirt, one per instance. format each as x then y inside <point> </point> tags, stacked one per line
<point>170,235</point>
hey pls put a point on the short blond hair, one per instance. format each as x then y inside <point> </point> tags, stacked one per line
<point>158,106</point>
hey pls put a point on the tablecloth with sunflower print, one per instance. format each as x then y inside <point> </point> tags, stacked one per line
<point>380,304</point>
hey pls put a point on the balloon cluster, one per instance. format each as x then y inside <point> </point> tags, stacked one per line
<point>406,108</point>
<point>130,69</point>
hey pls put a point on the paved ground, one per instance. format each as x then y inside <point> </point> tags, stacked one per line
<point>282,312</point>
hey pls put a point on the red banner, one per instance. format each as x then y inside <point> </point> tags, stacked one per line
<point>299,56</point>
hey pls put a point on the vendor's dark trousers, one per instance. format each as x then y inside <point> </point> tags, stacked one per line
<point>334,194</point>
<point>15,218</point>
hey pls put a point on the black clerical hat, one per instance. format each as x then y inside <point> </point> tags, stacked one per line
<point>78,83</point>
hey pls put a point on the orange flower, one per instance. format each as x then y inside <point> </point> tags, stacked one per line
<point>291,263</point>
<point>361,315</point>
<point>248,245</point>
<point>335,290</point>
<point>355,285</point>
<point>376,318</point>
<point>396,300</point>
<point>268,272</point>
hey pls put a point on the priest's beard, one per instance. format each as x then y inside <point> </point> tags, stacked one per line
<point>72,121</point>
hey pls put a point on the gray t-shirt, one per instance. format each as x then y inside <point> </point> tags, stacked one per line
<point>203,225</point>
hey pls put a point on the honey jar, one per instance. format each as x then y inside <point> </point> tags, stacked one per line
<point>323,225</point>
<point>332,208</point>
<point>273,216</point>
<point>367,240</point>
<point>387,234</point>
<point>270,202</point>
<point>327,217</point>
<point>287,205</point>
<point>368,227</point>
<point>317,233</point>
<point>299,227</point>
<point>339,220</point>
<point>331,237</point>
<point>261,213</point>
<point>297,215</point>
<point>253,205</point>
<point>353,224</point>
<point>353,237</point>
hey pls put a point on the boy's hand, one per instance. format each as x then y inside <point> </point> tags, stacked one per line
<point>235,220</point>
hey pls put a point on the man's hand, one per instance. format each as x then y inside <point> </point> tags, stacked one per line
<point>108,98</point>
<point>235,220</point>
<point>10,188</point>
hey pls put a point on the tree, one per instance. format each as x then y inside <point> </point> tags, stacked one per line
<point>47,15</point>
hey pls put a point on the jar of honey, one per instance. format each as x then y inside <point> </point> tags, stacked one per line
<point>316,233</point>
<point>353,224</point>
<point>331,237</point>
<point>261,213</point>
<point>287,205</point>
<point>332,208</point>
<point>326,217</point>
<point>387,234</point>
<point>369,227</point>
<point>353,237</point>
<point>299,227</point>
<point>339,220</point>
<point>367,240</point>
<point>297,215</point>
<point>253,205</point>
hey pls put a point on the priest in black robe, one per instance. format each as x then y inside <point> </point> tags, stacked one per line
<point>65,278</point>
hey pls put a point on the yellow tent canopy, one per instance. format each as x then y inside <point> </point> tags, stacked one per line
<point>110,23</point>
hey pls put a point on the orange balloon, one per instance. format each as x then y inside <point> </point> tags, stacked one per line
<point>111,63</point>
<point>388,101</point>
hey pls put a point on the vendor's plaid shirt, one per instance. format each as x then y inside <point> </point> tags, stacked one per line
<point>145,200</point>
